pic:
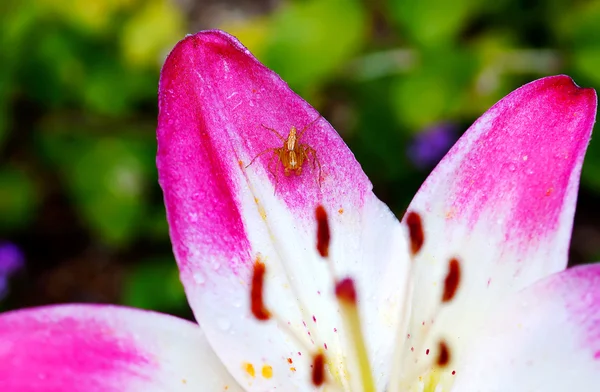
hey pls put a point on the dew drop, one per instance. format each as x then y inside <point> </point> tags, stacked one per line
<point>223,324</point>
<point>198,278</point>
<point>237,304</point>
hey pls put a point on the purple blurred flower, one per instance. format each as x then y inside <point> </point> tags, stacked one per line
<point>431,144</point>
<point>11,260</point>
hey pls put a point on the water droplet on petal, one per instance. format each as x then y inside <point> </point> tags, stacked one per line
<point>199,278</point>
<point>223,324</point>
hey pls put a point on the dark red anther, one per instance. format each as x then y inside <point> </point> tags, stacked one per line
<point>318,369</point>
<point>345,291</point>
<point>256,292</point>
<point>415,230</point>
<point>323,233</point>
<point>452,280</point>
<point>444,355</point>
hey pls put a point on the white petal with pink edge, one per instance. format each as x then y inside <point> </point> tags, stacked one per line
<point>545,338</point>
<point>496,214</point>
<point>226,210</point>
<point>97,348</point>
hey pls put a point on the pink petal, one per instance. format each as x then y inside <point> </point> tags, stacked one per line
<point>501,203</point>
<point>105,348</point>
<point>546,338</point>
<point>223,214</point>
<point>214,97</point>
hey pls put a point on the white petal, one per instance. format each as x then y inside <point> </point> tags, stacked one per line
<point>546,338</point>
<point>501,203</point>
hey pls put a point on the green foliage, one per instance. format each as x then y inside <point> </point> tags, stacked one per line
<point>436,90</point>
<point>18,199</point>
<point>107,177</point>
<point>432,22</point>
<point>154,284</point>
<point>309,41</point>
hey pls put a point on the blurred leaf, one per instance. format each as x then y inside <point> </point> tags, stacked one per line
<point>579,26</point>
<point>112,89</point>
<point>155,224</point>
<point>16,19</point>
<point>432,22</point>
<point>108,180</point>
<point>17,199</point>
<point>590,174</point>
<point>107,177</point>
<point>253,33</point>
<point>309,40</point>
<point>154,285</point>
<point>53,71</point>
<point>91,16</point>
<point>587,62</point>
<point>152,31</point>
<point>376,147</point>
<point>436,90</point>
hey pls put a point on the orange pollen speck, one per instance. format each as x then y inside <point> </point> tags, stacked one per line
<point>256,292</point>
<point>323,233</point>
<point>249,368</point>
<point>267,371</point>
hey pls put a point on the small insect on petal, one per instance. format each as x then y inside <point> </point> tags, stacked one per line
<point>323,233</point>
<point>444,355</point>
<point>452,280</point>
<point>415,230</point>
<point>256,292</point>
<point>292,154</point>
<point>318,370</point>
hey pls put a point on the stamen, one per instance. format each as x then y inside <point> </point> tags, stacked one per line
<point>346,295</point>
<point>263,314</point>
<point>318,369</point>
<point>323,233</point>
<point>415,230</point>
<point>452,280</point>
<point>444,354</point>
<point>256,293</point>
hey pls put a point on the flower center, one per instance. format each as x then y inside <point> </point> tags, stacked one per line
<point>417,366</point>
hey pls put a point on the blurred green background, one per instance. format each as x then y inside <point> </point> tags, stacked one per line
<point>400,81</point>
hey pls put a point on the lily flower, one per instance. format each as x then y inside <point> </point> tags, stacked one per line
<point>301,279</point>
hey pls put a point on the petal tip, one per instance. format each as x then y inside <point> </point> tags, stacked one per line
<point>563,89</point>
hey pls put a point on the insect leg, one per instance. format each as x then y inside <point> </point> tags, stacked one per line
<point>275,132</point>
<point>307,150</point>
<point>259,154</point>
<point>276,174</point>
<point>308,125</point>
